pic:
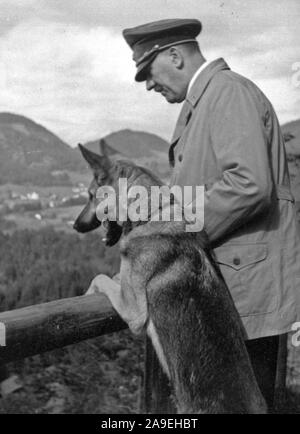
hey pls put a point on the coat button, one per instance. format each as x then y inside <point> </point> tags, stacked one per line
<point>236,261</point>
<point>180,157</point>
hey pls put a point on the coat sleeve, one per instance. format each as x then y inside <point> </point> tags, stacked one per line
<point>244,187</point>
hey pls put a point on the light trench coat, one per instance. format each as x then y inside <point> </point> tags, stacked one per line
<point>228,139</point>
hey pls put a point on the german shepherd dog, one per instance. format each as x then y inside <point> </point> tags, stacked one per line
<point>171,287</point>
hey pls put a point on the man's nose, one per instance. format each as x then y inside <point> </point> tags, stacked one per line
<point>149,84</point>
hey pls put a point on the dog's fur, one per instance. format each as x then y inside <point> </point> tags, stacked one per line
<point>171,286</point>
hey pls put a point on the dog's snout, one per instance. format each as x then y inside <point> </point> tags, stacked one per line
<point>86,223</point>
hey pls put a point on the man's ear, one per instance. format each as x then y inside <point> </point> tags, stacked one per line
<point>176,57</point>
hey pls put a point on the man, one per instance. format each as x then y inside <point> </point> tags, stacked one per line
<point>228,139</point>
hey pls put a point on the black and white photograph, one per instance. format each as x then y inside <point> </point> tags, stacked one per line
<point>149,209</point>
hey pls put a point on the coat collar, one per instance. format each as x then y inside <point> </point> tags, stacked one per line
<point>203,80</point>
<point>182,120</point>
<point>192,99</point>
<point>195,94</point>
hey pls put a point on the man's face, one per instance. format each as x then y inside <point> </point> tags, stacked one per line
<point>163,77</point>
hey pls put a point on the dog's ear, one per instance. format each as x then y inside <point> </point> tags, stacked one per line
<point>104,153</point>
<point>96,162</point>
<point>103,148</point>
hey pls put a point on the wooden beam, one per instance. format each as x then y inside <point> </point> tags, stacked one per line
<point>43,327</point>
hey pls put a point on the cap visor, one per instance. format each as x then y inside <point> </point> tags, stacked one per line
<point>142,69</point>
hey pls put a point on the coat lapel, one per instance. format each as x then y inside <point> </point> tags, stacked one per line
<point>204,79</point>
<point>182,121</point>
<point>192,99</point>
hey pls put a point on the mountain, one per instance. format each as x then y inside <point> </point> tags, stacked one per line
<point>137,144</point>
<point>144,149</point>
<point>32,154</point>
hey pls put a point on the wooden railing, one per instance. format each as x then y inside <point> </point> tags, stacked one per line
<point>43,327</point>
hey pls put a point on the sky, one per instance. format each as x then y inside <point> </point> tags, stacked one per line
<point>65,64</point>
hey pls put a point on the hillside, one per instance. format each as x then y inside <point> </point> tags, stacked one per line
<point>145,149</point>
<point>136,144</point>
<point>32,154</point>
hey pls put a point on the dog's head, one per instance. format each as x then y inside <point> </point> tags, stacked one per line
<point>87,221</point>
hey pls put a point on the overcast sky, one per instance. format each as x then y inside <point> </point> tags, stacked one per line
<point>65,64</point>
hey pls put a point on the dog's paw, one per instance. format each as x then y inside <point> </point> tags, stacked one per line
<point>117,278</point>
<point>99,284</point>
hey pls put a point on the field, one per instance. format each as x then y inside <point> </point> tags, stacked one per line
<point>58,216</point>
<point>61,219</point>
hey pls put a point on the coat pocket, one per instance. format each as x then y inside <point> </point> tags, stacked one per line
<point>247,270</point>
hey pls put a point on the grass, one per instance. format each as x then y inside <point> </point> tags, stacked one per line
<point>99,376</point>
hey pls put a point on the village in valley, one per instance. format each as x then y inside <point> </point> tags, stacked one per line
<point>35,207</point>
